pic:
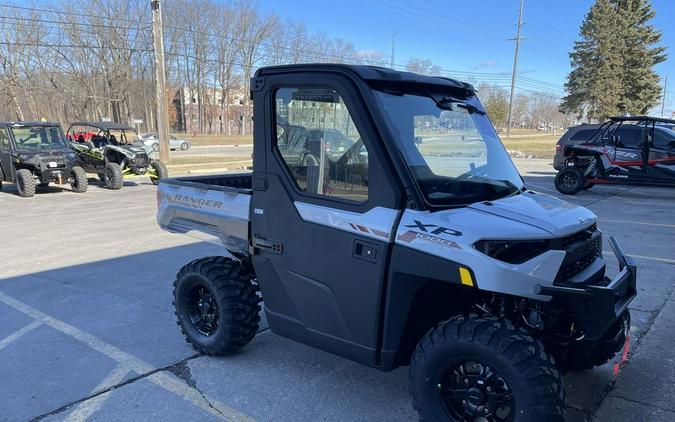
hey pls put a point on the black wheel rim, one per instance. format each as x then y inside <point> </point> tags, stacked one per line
<point>568,181</point>
<point>203,310</point>
<point>474,392</point>
<point>19,185</point>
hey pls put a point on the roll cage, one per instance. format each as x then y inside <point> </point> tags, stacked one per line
<point>601,135</point>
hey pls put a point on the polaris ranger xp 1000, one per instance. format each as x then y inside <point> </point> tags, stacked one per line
<point>35,154</point>
<point>414,244</point>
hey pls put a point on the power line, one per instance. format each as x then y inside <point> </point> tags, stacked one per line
<point>91,25</point>
<point>491,77</point>
<point>61,12</point>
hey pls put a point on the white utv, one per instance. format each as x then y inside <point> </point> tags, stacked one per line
<point>417,244</point>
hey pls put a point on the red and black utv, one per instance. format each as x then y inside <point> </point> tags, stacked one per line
<point>623,150</point>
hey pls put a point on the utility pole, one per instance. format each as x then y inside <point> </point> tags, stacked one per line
<point>515,68</point>
<point>393,36</point>
<point>663,98</point>
<point>160,81</point>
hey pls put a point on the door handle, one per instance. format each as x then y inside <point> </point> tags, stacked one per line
<point>267,245</point>
<point>366,251</point>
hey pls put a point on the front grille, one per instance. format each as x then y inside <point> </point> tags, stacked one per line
<point>582,249</point>
<point>141,160</point>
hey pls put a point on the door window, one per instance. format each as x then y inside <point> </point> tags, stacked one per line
<point>629,137</point>
<point>4,140</point>
<point>664,138</point>
<point>320,144</point>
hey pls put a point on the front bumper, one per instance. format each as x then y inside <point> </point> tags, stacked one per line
<point>596,307</point>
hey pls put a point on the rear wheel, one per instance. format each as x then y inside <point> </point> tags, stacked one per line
<point>79,182</point>
<point>25,183</point>
<point>155,147</point>
<point>216,304</point>
<point>569,180</point>
<point>113,176</point>
<point>161,172</point>
<point>484,369</point>
<point>184,146</point>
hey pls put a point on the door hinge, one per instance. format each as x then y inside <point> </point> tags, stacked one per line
<point>257,84</point>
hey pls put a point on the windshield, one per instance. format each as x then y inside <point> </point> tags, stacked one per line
<point>38,137</point>
<point>450,147</point>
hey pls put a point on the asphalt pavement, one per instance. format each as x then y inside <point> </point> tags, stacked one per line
<point>87,330</point>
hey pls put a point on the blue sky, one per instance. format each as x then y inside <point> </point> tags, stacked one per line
<point>469,36</point>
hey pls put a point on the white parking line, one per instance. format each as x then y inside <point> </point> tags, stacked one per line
<point>638,222</point>
<point>87,408</point>
<point>17,334</point>
<point>651,258</point>
<point>166,381</point>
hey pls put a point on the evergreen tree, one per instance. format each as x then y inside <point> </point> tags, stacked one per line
<point>641,86</point>
<point>612,63</point>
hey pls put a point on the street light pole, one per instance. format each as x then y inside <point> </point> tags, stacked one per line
<point>160,81</point>
<point>515,67</point>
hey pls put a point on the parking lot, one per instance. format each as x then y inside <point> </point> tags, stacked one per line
<point>87,328</point>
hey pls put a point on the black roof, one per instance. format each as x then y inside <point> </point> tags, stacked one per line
<point>641,119</point>
<point>30,123</point>
<point>104,125</point>
<point>367,73</point>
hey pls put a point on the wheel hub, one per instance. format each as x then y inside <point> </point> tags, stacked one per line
<point>203,310</point>
<point>470,391</point>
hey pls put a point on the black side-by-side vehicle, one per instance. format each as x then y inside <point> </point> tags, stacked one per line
<point>35,154</point>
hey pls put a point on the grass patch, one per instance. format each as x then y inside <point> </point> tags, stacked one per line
<point>205,159</point>
<point>211,140</point>
<point>539,146</point>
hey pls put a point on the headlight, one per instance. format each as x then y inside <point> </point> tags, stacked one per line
<point>71,156</point>
<point>26,157</point>
<point>512,251</point>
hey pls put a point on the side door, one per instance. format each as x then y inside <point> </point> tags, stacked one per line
<point>661,155</point>
<point>5,155</point>
<point>629,157</point>
<point>321,236</point>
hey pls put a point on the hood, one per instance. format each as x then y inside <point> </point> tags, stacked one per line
<point>44,152</point>
<point>557,217</point>
<point>129,150</point>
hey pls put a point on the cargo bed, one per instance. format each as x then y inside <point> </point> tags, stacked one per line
<point>216,205</point>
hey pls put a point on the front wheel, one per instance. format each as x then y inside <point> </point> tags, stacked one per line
<point>217,304</point>
<point>114,179</point>
<point>79,181</point>
<point>484,369</point>
<point>155,147</point>
<point>569,181</point>
<point>184,146</point>
<point>25,183</point>
<point>159,172</point>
